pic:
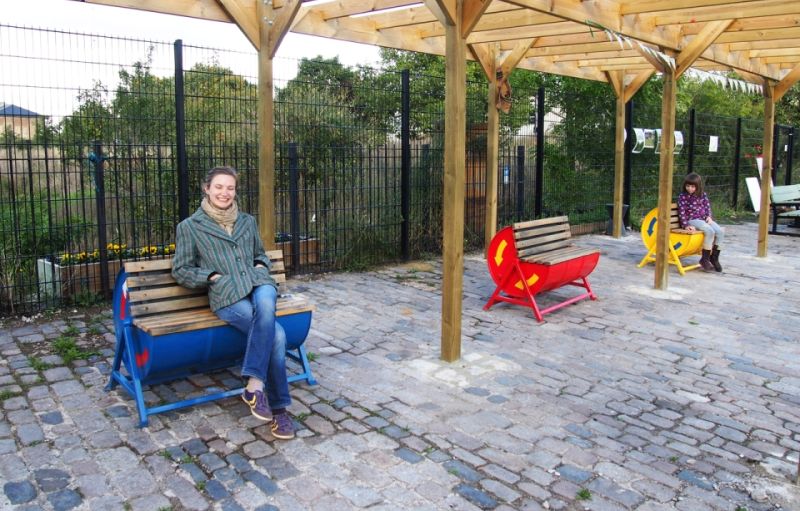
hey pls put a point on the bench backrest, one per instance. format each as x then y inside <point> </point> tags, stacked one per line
<point>785,193</point>
<point>540,236</point>
<point>674,221</point>
<point>152,289</point>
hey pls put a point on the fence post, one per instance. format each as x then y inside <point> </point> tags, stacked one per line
<point>628,174</point>
<point>294,205</point>
<point>520,182</point>
<point>737,149</point>
<point>98,160</point>
<point>180,134</point>
<point>789,153</point>
<point>692,121</point>
<point>538,184</point>
<point>405,163</point>
<point>775,140</point>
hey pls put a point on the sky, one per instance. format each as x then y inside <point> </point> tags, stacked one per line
<point>34,74</point>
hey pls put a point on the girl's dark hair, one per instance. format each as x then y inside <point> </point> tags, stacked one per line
<point>694,179</point>
<point>228,171</point>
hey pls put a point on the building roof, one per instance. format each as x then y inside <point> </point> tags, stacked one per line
<point>9,110</point>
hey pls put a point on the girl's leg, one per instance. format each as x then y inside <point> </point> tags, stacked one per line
<point>719,233</point>
<point>708,233</point>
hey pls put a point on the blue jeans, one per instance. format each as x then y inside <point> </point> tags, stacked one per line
<point>265,355</point>
<point>712,233</point>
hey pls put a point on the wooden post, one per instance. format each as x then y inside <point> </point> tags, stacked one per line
<point>492,142</point>
<point>455,126</point>
<point>665,177</point>
<point>619,164</point>
<point>266,130</point>
<point>766,172</point>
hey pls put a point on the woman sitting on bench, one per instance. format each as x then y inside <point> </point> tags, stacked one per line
<point>694,213</point>
<point>219,247</point>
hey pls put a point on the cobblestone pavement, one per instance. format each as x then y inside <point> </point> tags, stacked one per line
<point>683,399</point>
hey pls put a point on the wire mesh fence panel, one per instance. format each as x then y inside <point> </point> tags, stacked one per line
<point>105,142</point>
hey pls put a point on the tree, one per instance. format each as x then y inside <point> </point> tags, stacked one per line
<point>93,120</point>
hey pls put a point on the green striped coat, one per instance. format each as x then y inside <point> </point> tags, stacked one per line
<point>202,247</point>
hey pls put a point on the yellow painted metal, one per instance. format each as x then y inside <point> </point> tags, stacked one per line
<point>680,244</point>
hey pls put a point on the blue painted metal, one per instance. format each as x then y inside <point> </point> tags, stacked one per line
<point>141,359</point>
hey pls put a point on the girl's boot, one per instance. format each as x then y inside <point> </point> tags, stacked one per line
<point>715,258</point>
<point>705,261</point>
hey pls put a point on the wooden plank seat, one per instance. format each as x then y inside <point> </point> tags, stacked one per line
<point>785,203</point>
<point>682,242</point>
<point>532,257</point>
<point>165,331</point>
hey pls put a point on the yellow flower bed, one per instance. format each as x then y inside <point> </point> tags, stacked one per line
<point>115,251</point>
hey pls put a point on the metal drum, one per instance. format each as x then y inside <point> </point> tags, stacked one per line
<point>502,257</point>
<point>684,244</point>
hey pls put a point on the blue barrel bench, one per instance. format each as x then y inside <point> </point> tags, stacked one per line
<point>165,331</point>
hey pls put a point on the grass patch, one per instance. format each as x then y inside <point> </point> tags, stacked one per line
<point>8,394</point>
<point>311,356</point>
<point>300,417</point>
<point>69,351</point>
<point>38,365</point>
<point>583,494</point>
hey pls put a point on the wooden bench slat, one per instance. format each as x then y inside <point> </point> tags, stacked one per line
<point>560,256</point>
<point>148,265</point>
<point>542,221</point>
<point>530,252</point>
<point>153,279</point>
<point>541,231</point>
<point>168,305</point>
<point>159,293</point>
<point>542,240</point>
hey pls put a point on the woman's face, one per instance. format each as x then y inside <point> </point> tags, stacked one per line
<point>221,191</point>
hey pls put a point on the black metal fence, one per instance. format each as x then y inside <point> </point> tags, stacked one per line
<point>102,156</point>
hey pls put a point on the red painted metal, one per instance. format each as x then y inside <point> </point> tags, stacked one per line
<point>518,282</point>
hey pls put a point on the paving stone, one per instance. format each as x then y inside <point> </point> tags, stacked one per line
<point>50,479</point>
<point>261,481</point>
<point>216,490</point>
<point>19,492</point>
<point>476,496</point>
<point>149,503</point>
<point>696,479</point>
<point>573,474</point>
<point>462,471</point>
<point>64,499</point>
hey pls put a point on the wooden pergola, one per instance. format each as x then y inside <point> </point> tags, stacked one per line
<point>621,42</point>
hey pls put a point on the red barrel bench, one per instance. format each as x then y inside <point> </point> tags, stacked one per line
<point>529,258</point>
<point>165,331</point>
<point>682,242</point>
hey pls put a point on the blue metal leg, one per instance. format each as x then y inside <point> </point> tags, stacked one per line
<point>302,359</point>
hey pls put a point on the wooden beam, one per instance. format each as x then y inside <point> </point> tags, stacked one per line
<point>659,65</point>
<point>766,167</point>
<point>266,131</point>
<point>280,23</point>
<point>201,9</point>
<point>484,56</point>
<point>444,10</point>
<point>492,149</point>
<point>786,82</point>
<point>616,79</point>
<point>513,58</point>
<point>245,19</point>
<point>472,12</point>
<point>455,127</point>
<point>699,44</point>
<point>605,13</point>
<point>665,178</point>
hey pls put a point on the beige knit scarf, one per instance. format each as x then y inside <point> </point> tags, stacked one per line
<point>226,218</point>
